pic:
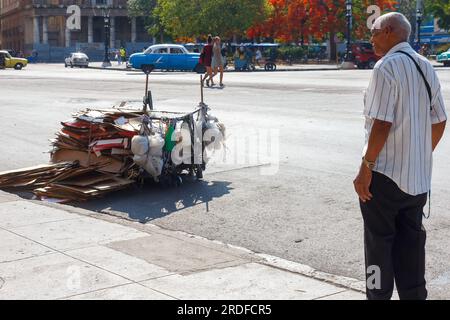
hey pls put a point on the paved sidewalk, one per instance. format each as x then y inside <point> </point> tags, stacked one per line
<point>50,251</point>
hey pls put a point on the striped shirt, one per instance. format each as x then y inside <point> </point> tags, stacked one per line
<point>397,94</point>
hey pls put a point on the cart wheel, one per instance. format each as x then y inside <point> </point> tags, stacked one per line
<point>177,181</point>
<point>199,173</point>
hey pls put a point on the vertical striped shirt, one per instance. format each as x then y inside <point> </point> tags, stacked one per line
<point>397,94</point>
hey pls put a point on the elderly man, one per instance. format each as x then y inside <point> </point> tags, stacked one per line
<point>405,120</point>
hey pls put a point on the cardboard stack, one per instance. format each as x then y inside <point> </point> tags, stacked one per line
<point>91,156</point>
<point>98,137</point>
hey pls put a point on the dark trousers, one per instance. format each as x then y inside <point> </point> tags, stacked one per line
<point>394,241</point>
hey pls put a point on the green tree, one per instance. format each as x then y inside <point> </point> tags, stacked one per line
<point>441,10</point>
<point>193,18</point>
<point>146,9</point>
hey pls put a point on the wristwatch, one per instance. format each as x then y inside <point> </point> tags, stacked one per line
<point>368,164</point>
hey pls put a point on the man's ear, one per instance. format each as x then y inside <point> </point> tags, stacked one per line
<point>388,31</point>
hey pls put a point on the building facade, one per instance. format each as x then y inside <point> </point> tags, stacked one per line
<point>38,27</point>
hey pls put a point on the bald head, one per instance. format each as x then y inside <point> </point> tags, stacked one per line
<point>397,22</point>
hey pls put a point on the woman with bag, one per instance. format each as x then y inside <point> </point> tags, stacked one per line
<point>206,59</point>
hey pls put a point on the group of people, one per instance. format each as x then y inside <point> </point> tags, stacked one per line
<point>211,57</point>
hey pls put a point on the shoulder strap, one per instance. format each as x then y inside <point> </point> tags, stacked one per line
<point>421,73</point>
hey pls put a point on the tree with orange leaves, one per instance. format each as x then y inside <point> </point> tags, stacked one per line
<point>297,20</point>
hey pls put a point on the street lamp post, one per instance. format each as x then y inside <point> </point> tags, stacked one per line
<point>348,61</point>
<point>106,21</point>
<point>419,22</point>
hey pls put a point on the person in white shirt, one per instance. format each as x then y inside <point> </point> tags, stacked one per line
<point>405,120</point>
<point>258,57</point>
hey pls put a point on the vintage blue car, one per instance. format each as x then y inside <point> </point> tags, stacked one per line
<point>444,58</point>
<point>166,57</point>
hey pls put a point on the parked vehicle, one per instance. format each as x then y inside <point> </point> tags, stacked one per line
<point>364,56</point>
<point>13,62</point>
<point>244,57</point>
<point>77,59</point>
<point>166,57</point>
<point>444,58</point>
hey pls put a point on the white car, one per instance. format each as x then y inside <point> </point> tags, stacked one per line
<point>77,59</point>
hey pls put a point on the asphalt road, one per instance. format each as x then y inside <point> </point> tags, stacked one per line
<point>297,202</point>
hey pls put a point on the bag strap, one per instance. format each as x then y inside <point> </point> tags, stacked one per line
<point>431,108</point>
<point>423,76</point>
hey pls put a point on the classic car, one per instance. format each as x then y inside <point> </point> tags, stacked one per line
<point>444,58</point>
<point>77,59</point>
<point>165,57</point>
<point>12,62</point>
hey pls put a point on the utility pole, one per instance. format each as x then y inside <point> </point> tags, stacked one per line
<point>348,63</point>
<point>106,25</point>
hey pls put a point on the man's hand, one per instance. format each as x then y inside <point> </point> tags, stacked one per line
<point>362,183</point>
<point>437,131</point>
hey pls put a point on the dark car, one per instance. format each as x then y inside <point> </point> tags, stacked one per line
<point>364,56</point>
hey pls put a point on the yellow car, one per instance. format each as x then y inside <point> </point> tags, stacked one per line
<point>12,62</point>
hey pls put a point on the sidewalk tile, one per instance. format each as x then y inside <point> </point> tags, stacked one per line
<point>174,254</point>
<point>123,264</point>
<point>23,213</point>
<point>78,233</point>
<point>13,247</point>
<point>125,292</point>
<point>250,281</point>
<point>52,277</point>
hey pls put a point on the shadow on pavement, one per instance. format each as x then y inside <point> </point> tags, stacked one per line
<point>150,201</point>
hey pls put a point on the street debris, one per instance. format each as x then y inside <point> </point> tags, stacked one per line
<point>100,151</point>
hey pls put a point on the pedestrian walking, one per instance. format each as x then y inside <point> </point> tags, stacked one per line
<point>405,120</point>
<point>206,60</point>
<point>123,54</point>
<point>118,58</point>
<point>217,60</point>
<point>258,57</point>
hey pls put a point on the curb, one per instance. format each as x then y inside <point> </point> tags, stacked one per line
<point>264,259</point>
<point>226,71</point>
<point>278,70</point>
<point>285,265</point>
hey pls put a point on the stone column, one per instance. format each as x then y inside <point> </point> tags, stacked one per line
<point>133,29</point>
<point>36,36</point>
<point>90,29</point>
<point>44,30</point>
<point>67,37</point>
<point>112,32</point>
